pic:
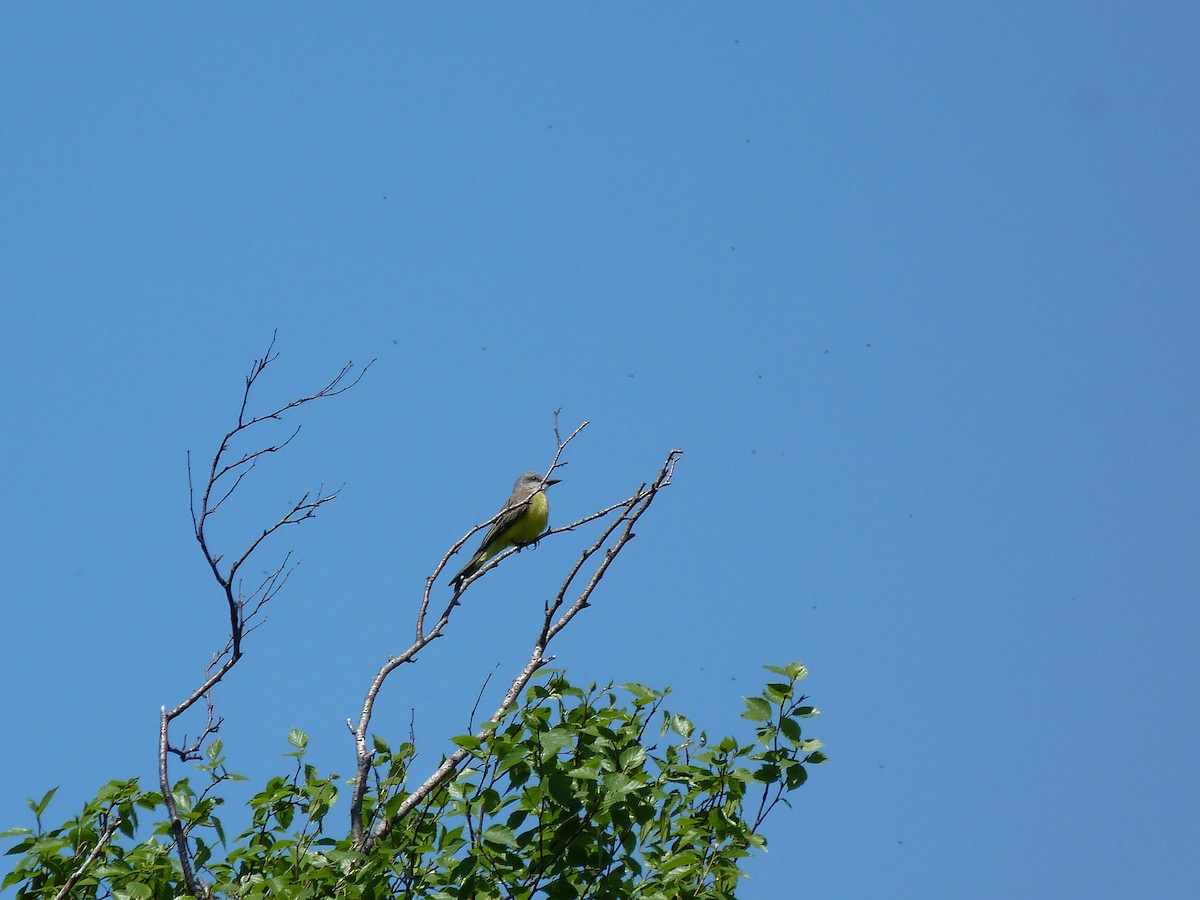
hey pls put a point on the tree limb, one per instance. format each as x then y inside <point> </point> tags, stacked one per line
<point>105,837</point>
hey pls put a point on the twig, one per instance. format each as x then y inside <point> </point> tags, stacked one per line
<point>105,837</point>
<point>479,697</point>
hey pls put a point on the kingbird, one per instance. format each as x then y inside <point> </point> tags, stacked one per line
<point>522,520</point>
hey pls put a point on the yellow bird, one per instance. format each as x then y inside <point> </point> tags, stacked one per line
<point>522,520</point>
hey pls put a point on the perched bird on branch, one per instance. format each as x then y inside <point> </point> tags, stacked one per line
<point>522,520</point>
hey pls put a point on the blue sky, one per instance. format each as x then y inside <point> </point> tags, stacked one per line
<point>913,287</point>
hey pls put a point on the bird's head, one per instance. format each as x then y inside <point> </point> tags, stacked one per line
<point>531,481</point>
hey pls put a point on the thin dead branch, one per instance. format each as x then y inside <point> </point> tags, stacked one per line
<point>245,611</point>
<point>105,836</point>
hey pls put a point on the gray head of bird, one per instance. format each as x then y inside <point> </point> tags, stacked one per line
<point>531,481</point>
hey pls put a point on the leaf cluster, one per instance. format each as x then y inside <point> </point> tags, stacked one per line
<point>595,792</point>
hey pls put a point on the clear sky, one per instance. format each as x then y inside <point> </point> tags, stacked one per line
<point>913,286</point>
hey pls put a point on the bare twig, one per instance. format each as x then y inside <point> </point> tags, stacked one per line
<point>105,836</point>
<point>633,508</point>
<point>479,697</point>
<point>245,610</point>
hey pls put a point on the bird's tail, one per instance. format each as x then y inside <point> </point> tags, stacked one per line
<point>467,571</point>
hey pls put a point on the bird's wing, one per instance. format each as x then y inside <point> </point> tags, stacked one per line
<point>508,516</point>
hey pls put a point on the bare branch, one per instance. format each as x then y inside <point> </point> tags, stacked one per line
<point>105,836</point>
<point>177,833</point>
<point>450,765</point>
<point>479,697</point>
<point>236,482</point>
<point>301,510</point>
<point>212,725</point>
<point>245,611</point>
<point>251,456</point>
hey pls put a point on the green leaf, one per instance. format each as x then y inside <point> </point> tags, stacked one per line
<point>682,725</point>
<point>589,771</point>
<point>768,774</point>
<point>680,861</point>
<point>284,813</point>
<point>40,807</point>
<point>793,670</point>
<point>796,776</point>
<point>779,692</point>
<point>757,709</point>
<point>562,791</point>
<point>641,692</point>
<point>556,740</point>
<point>149,800</point>
<point>632,757</point>
<point>12,878</point>
<point>501,835</point>
<point>618,784</point>
<point>297,739</point>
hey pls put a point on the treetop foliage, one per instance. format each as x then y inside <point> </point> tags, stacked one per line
<point>577,792</point>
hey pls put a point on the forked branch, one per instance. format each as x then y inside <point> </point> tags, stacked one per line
<point>245,610</point>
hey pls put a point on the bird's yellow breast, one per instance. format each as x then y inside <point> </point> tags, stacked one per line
<point>532,523</point>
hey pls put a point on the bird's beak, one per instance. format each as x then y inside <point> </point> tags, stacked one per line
<point>550,481</point>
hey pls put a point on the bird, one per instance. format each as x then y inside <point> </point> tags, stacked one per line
<point>522,520</point>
